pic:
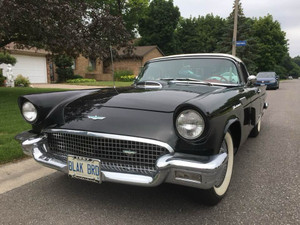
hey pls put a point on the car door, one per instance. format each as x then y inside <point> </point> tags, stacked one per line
<point>251,101</point>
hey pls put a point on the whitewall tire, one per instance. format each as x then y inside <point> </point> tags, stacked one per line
<point>213,195</point>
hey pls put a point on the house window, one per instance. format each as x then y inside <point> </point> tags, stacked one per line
<point>92,64</point>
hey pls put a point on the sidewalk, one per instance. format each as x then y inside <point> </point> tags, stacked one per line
<point>64,86</point>
<point>16,174</point>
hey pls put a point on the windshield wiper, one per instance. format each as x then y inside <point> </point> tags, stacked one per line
<point>195,81</point>
<point>179,79</point>
<point>186,79</point>
<point>167,79</point>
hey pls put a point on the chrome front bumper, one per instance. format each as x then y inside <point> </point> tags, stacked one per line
<point>184,169</point>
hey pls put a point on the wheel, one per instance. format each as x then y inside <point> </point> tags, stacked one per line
<point>255,131</point>
<point>214,195</point>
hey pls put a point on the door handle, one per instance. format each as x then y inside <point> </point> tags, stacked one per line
<point>258,90</point>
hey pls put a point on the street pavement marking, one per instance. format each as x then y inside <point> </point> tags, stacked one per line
<point>14,175</point>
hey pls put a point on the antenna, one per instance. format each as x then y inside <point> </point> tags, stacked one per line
<point>112,66</point>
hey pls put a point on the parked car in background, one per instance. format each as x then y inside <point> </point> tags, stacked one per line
<point>181,122</point>
<point>270,79</point>
<point>290,78</point>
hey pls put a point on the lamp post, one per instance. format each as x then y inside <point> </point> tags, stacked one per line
<point>236,8</point>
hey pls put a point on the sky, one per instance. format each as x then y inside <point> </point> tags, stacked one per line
<point>286,12</point>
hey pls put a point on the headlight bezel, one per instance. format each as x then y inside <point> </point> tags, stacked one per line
<point>32,106</point>
<point>179,111</point>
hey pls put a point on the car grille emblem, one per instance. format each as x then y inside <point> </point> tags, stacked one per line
<point>96,117</point>
<point>129,152</point>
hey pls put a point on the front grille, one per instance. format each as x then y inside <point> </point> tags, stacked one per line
<point>111,152</point>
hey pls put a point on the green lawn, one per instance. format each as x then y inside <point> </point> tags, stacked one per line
<point>11,121</point>
<point>104,83</point>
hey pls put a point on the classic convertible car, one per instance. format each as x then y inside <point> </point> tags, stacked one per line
<point>181,122</point>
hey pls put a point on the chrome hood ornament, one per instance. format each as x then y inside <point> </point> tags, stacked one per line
<point>96,117</point>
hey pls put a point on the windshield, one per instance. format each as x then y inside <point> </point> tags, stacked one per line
<point>266,75</point>
<point>206,70</point>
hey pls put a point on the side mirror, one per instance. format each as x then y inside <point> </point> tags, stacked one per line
<point>251,80</point>
<point>277,77</point>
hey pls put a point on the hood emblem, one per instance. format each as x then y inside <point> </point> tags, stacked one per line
<point>96,117</point>
<point>129,152</point>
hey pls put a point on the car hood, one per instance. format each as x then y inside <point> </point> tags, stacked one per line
<point>160,100</point>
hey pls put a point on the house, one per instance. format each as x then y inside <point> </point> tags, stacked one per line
<point>102,70</point>
<point>37,65</point>
<point>32,63</point>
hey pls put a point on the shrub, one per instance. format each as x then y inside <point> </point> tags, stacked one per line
<point>120,73</point>
<point>21,81</point>
<point>2,79</point>
<point>80,80</point>
<point>64,68</point>
<point>127,78</point>
<point>77,76</point>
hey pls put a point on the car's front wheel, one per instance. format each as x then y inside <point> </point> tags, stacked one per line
<point>213,195</point>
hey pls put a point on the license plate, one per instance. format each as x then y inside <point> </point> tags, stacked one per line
<point>84,168</point>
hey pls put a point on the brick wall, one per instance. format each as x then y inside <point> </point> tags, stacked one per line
<point>150,55</point>
<point>133,64</point>
<point>82,65</point>
<point>128,64</point>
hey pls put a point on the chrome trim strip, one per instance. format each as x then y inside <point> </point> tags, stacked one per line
<point>113,136</point>
<point>194,162</point>
<point>126,178</point>
<point>236,106</point>
<point>205,83</point>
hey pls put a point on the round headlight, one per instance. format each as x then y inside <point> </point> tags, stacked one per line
<point>190,124</point>
<point>29,111</point>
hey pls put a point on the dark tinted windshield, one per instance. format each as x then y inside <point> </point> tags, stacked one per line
<point>266,74</point>
<point>201,69</point>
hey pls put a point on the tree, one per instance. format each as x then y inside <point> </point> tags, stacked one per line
<point>129,10</point>
<point>7,59</point>
<point>247,53</point>
<point>296,60</point>
<point>64,67</point>
<point>291,67</point>
<point>272,44</point>
<point>70,27</point>
<point>196,35</point>
<point>158,25</point>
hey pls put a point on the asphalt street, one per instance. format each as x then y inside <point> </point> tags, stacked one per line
<point>265,188</point>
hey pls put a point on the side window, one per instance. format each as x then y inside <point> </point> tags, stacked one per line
<point>92,64</point>
<point>245,73</point>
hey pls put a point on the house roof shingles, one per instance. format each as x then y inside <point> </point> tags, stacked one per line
<point>137,51</point>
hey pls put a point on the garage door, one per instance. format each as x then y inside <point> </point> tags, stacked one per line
<point>33,67</point>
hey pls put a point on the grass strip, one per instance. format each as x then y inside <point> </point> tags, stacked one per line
<point>12,122</point>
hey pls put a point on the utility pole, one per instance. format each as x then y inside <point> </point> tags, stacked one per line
<point>236,8</point>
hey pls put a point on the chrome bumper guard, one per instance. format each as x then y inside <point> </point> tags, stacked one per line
<point>184,169</point>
